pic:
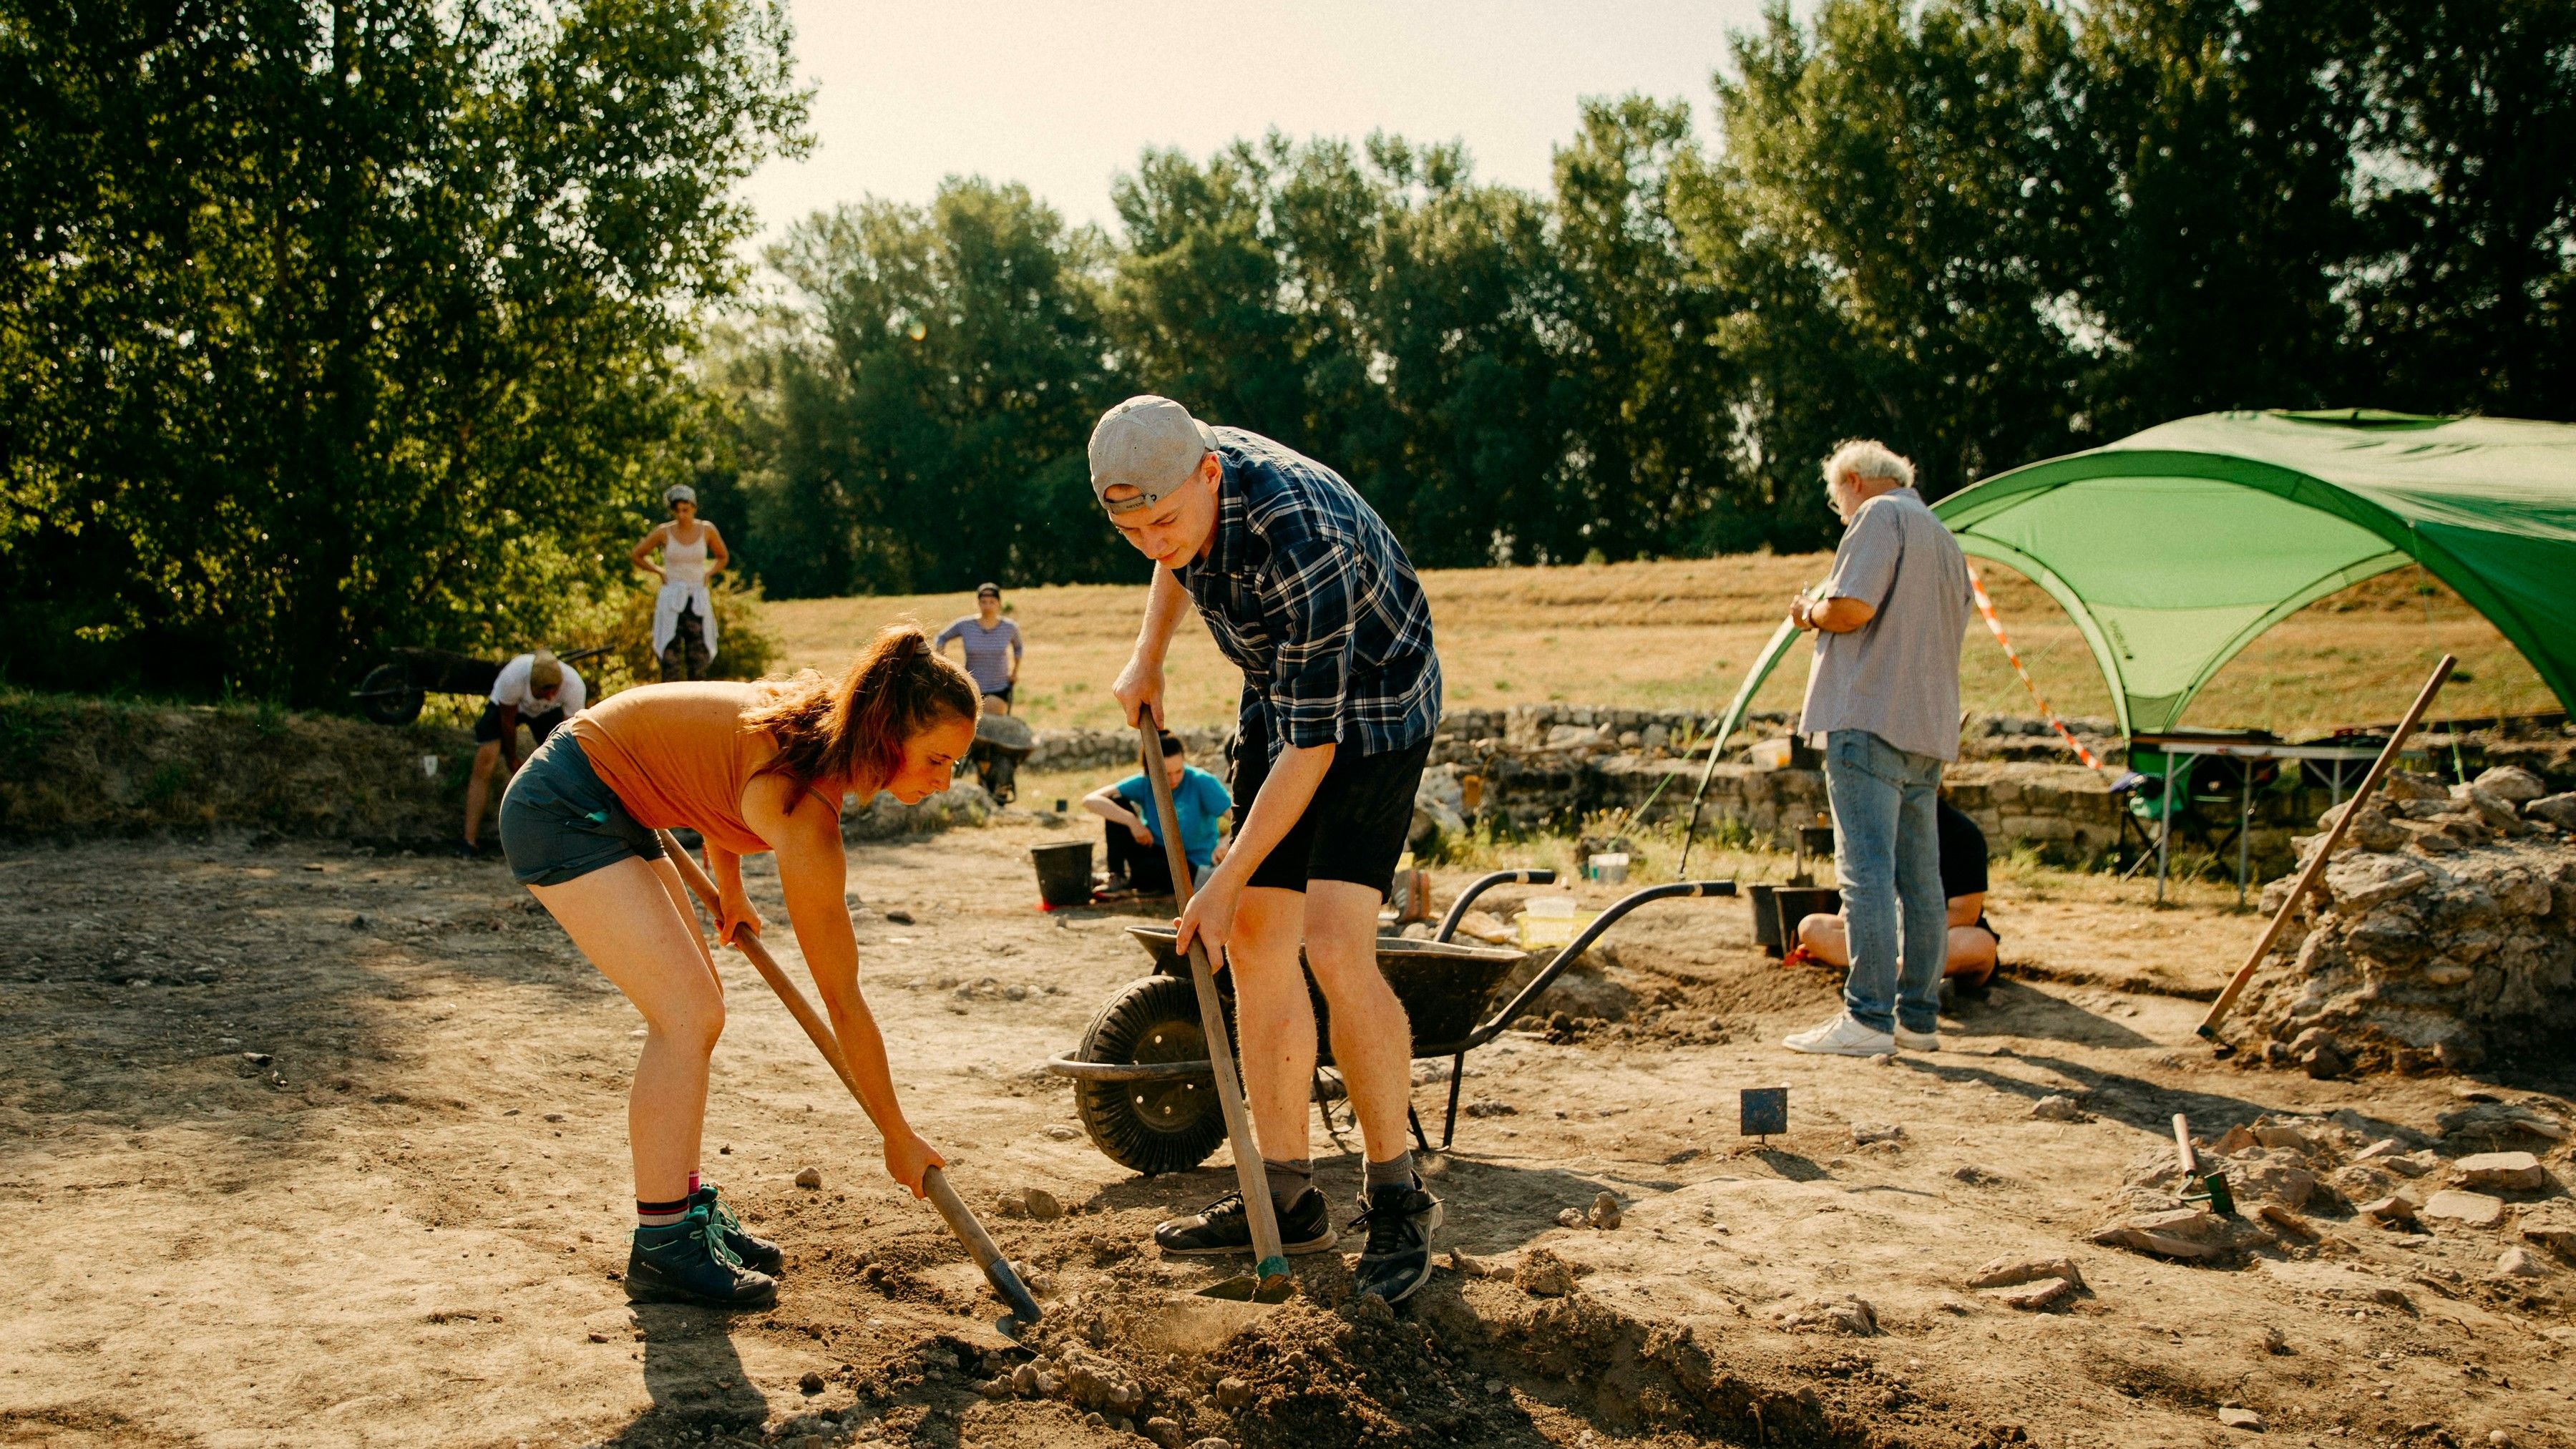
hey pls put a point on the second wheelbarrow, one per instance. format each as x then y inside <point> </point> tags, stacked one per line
<point>1142,1084</point>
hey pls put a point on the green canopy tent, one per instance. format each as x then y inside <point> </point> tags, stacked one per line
<point>2172,549</point>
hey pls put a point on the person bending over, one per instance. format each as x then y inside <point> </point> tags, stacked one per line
<point>1135,830</point>
<point>1973,940</point>
<point>684,612</point>
<point>1309,595</point>
<point>536,690</point>
<point>992,645</point>
<point>750,767</point>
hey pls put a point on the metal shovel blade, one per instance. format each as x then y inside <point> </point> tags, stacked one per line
<point>1269,1283</point>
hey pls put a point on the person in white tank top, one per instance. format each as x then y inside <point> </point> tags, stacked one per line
<point>684,613</point>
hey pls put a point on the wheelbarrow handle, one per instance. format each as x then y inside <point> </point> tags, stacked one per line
<point>1482,884</point>
<point>1582,942</point>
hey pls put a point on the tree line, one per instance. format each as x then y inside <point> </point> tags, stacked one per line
<point>333,324</point>
<point>1987,231</point>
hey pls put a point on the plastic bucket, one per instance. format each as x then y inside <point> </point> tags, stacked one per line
<point>1796,903</point>
<point>1064,873</point>
<point>1766,920</point>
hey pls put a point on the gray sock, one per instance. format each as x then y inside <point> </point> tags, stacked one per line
<point>1396,1171</point>
<point>1289,1180</point>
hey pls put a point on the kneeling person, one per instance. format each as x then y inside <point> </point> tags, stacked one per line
<point>1973,941</point>
<point>1135,831</point>
<point>1307,592</point>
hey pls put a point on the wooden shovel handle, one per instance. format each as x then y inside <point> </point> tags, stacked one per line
<point>1250,1176</point>
<point>934,1183</point>
<point>2325,849</point>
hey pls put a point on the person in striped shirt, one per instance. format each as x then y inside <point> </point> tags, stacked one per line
<point>1308,593</point>
<point>992,648</point>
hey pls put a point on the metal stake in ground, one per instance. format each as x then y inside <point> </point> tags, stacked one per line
<point>934,1183</point>
<point>2325,851</point>
<point>1269,1282</point>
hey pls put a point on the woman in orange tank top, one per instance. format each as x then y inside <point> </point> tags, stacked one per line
<point>750,767</point>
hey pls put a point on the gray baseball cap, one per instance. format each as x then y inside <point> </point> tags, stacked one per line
<point>1150,444</point>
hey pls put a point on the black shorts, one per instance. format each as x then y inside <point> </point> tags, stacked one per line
<point>1355,827</point>
<point>487,730</point>
<point>1003,694</point>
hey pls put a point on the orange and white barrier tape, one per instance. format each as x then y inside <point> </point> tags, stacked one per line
<point>1995,625</point>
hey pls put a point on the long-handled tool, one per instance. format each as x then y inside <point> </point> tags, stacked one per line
<point>934,1183</point>
<point>2325,851</point>
<point>2213,1185</point>
<point>1269,1282</point>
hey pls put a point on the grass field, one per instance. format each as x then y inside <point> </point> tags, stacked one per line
<point>1679,634</point>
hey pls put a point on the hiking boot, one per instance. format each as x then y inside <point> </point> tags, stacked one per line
<point>1305,1226</point>
<point>758,1254</point>
<point>1843,1037</point>
<point>688,1262</point>
<point>1397,1259</point>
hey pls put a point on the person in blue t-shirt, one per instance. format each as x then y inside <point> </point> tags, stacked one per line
<point>1136,857</point>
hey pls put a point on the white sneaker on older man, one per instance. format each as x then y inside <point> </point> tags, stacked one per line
<point>1843,1037</point>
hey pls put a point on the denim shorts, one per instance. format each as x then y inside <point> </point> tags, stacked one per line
<point>560,821</point>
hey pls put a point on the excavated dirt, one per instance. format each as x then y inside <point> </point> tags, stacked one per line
<point>317,1147</point>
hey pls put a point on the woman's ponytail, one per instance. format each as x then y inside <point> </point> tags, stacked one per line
<point>853,730</point>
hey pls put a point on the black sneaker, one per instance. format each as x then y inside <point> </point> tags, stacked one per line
<point>688,1262</point>
<point>1397,1259</point>
<point>1305,1226</point>
<point>758,1254</point>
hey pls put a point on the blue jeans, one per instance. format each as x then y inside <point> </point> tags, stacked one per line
<point>1887,849</point>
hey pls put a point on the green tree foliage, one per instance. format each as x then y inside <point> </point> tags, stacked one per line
<point>930,411</point>
<point>331,325</point>
<point>1986,231</point>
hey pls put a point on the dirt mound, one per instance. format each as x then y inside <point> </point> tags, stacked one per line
<point>1476,1362</point>
<point>98,767</point>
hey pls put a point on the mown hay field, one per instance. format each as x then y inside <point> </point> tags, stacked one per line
<point>1679,634</point>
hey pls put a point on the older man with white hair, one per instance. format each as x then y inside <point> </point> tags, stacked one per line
<point>1883,704</point>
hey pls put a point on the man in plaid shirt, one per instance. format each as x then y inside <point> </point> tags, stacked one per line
<point>1309,594</point>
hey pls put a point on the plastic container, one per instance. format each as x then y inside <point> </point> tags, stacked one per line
<point>1551,921</point>
<point>1610,867</point>
<point>1064,874</point>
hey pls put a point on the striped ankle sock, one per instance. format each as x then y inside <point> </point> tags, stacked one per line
<point>660,1214</point>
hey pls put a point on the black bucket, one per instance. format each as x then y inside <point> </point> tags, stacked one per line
<point>1064,873</point>
<point>1766,921</point>
<point>1796,903</point>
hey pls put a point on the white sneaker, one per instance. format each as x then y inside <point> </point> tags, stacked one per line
<point>1843,1037</point>
<point>1918,1041</point>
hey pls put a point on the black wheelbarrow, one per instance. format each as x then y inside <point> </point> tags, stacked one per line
<point>1002,742</point>
<point>1142,1084</point>
<point>393,693</point>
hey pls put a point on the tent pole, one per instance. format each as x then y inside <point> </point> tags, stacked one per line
<point>2164,836</point>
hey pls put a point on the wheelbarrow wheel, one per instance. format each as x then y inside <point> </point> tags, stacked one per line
<point>1167,1125</point>
<point>388,696</point>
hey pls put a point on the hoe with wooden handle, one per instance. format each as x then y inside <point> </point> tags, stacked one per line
<point>1269,1282</point>
<point>934,1183</point>
<point>2325,852</point>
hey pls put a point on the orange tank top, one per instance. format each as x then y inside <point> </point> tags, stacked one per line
<point>680,755</point>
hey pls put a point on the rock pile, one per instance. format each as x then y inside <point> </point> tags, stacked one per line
<point>2283,1172</point>
<point>2445,930</point>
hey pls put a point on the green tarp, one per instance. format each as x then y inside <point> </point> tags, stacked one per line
<point>2171,550</point>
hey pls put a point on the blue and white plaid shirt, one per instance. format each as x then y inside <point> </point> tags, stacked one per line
<point>1306,590</point>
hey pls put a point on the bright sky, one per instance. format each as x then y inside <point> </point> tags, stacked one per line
<point>1063,94</point>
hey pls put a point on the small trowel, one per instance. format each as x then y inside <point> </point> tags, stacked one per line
<point>1269,1281</point>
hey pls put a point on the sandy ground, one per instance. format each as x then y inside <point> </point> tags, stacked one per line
<point>329,1149</point>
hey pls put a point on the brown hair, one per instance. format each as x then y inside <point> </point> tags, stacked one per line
<point>853,729</point>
